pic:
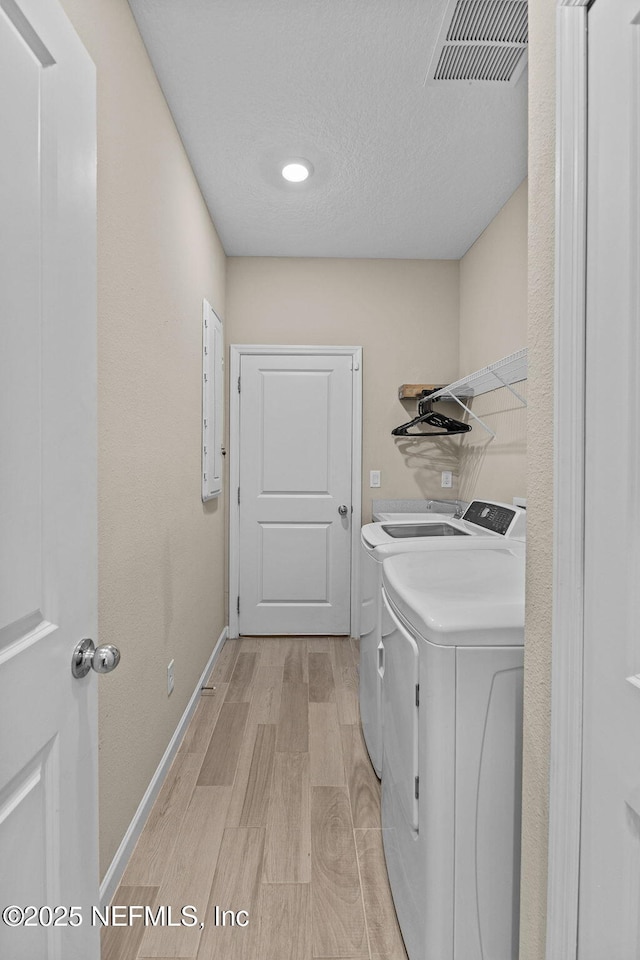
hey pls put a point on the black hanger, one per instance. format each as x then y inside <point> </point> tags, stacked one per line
<point>447,426</point>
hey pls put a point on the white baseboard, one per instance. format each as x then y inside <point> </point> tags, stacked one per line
<point>114,874</point>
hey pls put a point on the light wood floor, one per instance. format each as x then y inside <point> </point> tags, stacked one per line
<point>271,806</point>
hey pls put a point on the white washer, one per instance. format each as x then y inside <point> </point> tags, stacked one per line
<point>453,637</point>
<point>484,523</point>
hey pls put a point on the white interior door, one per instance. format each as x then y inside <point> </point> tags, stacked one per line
<point>295,494</point>
<point>48,741</point>
<point>609,896</point>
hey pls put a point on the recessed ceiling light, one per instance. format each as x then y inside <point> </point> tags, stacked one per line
<point>296,171</point>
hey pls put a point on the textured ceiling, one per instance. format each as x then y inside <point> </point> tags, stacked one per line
<point>401,168</point>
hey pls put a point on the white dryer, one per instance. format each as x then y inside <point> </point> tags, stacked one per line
<point>453,637</point>
<point>484,523</point>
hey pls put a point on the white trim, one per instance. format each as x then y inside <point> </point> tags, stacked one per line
<point>569,419</point>
<point>236,352</point>
<point>117,867</point>
<point>356,490</point>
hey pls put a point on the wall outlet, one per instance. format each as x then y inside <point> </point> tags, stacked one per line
<point>447,479</point>
<point>374,478</point>
<point>170,679</point>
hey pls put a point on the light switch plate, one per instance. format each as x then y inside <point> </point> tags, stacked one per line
<point>447,479</point>
<point>374,478</point>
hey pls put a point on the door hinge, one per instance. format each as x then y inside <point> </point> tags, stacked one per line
<point>417,694</point>
<point>417,787</point>
<point>238,494</point>
<point>238,606</point>
<point>238,384</point>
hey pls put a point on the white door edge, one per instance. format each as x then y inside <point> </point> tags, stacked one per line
<point>569,475</point>
<point>236,352</point>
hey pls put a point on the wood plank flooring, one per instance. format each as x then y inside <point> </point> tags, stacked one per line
<point>271,806</point>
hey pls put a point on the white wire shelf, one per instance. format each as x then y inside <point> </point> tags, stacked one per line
<point>502,373</point>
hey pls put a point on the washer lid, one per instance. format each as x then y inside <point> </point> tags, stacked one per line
<point>374,534</point>
<point>460,597</point>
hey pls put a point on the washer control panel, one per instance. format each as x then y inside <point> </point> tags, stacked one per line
<point>500,518</point>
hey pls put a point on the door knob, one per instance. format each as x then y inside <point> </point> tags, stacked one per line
<point>102,659</point>
<point>343,510</point>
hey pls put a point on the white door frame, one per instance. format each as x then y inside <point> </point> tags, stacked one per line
<point>237,351</point>
<point>569,480</point>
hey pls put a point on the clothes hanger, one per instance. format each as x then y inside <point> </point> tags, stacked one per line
<point>447,426</point>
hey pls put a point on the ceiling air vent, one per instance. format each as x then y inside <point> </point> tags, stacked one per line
<point>481,41</point>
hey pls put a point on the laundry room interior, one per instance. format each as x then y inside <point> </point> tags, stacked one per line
<point>419,255</point>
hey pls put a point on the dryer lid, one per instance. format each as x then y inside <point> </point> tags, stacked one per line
<point>460,597</point>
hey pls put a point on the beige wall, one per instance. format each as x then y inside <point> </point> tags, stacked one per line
<point>540,478</point>
<point>493,288</point>
<point>404,313</point>
<point>493,323</point>
<point>161,553</point>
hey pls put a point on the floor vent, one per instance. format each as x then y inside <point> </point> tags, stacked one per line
<point>481,41</point>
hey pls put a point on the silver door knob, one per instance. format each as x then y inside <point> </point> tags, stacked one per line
<point>343,510</point>
<point>87,656</point>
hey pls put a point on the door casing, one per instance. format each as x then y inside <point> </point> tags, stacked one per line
<point>569,481</point>
<point>237,351</point>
